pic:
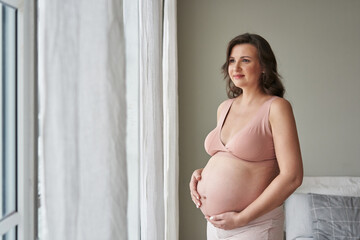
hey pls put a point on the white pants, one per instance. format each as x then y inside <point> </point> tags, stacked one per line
<point>267,227</point>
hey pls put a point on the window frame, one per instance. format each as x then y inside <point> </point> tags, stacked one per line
<point>25,216</point>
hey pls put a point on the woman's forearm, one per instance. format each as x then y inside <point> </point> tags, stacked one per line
<point>273,196</point>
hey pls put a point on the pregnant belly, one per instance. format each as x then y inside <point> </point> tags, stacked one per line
<point>230,184</point>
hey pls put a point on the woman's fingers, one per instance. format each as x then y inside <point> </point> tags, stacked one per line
<point>196,199</point>
<point>196,176</point>
<point>197,202</point>
<point>225,220</point>
<point>215,218</point>
<point>193,190</point>
<point>216,221</point>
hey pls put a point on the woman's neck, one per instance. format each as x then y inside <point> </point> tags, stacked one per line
<point>249,97</point>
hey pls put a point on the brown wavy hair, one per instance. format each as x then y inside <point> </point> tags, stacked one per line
<point>270,80</point>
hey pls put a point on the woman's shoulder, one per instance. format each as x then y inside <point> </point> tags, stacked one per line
<point>223,106</point>
<point>225,102</point>
<point>280,104</point>
<point>280,107</point>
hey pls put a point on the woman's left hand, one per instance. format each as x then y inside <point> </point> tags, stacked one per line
<point>226,221</point>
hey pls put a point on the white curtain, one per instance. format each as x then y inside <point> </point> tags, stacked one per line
<point>88,115</point>
<point>158,120</point>
<point>83,120</point>
<point>170,98</point>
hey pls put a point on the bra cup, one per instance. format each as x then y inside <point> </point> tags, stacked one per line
<point>253,143</point>
<point>252,146</point>
<point>210,142</point>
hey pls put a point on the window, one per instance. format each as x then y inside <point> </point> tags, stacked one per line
<point>8,117</point>
<point>17,120</point>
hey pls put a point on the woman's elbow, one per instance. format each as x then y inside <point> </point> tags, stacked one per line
<point>297,179</point>
<point>294,180</point>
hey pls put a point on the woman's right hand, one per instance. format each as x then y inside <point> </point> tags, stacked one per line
<point>195,178</point>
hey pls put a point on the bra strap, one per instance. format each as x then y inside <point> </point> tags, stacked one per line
<point>267,109</point>
<point>225,111</point>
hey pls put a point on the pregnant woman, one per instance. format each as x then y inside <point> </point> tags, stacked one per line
<point>256,161</point>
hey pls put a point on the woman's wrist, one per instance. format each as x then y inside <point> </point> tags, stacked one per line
<point>241,219</point>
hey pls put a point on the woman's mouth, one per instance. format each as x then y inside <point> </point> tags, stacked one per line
<point>238,75</point>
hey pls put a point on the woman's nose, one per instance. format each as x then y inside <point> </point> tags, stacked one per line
<point>238,65</point>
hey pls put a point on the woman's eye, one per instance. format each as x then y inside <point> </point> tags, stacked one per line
<point>231,60</point>
<point>245,60</point>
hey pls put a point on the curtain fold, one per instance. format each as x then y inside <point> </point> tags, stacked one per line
<point>151,120</point>
<point>171,136</point>
<point>83,119</point>
<point>158,120</point>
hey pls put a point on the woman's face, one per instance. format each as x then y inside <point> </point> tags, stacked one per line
<point>244,66</point>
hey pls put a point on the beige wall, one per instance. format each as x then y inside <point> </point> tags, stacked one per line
<point>316,44</point>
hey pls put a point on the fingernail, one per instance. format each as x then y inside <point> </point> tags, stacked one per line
<point>211,218</point>
<point>198,198</point>
<point>197,206</point>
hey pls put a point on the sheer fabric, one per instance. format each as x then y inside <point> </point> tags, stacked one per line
<point>94,123</point>
<point>158,120</point>
<point>83,120</point>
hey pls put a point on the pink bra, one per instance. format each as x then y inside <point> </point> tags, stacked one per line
<point>254,142</point>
